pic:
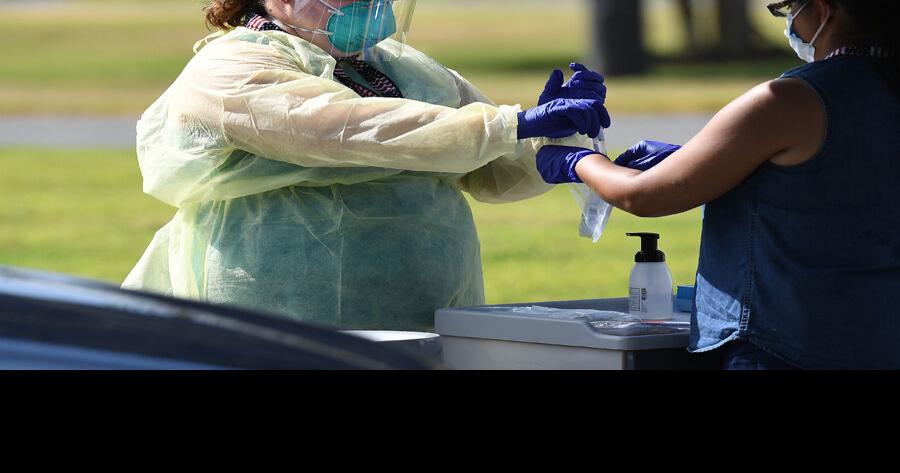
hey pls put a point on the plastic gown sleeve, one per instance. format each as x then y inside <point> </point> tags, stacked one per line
<point>513,176</point>
<point>266,105</point>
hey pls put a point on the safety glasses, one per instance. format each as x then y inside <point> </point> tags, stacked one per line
<point>782,9</point>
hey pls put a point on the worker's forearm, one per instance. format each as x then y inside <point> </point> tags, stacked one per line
<point>615,184</point>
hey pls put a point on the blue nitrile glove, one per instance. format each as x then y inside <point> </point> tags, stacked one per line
<point>561,118</point>
<point>557,163</point>
<point>584,84</point>
<point>646,154</point>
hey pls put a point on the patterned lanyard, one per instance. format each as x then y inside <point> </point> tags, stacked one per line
<point>868,51</point>
<point>382,85</point>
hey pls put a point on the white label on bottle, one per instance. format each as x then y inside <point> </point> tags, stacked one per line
<point>636,298</point>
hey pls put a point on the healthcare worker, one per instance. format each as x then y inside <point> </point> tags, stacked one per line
<point>317,166</point>
<point>800,252</point>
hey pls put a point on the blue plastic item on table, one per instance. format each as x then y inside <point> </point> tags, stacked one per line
<point>684,298</point>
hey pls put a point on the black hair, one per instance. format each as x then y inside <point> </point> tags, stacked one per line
<point>876,23</point>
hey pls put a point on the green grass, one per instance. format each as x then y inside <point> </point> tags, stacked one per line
<point>116,57</point>
<point>78,212</point>
<point>83,213</point>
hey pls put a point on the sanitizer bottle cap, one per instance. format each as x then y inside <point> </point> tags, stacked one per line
<point>649,248</point>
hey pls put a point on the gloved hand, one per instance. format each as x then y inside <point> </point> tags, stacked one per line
<point>646,154</point>
<point>557,163</point>
<point>584,84</point>
<point>562,118</point>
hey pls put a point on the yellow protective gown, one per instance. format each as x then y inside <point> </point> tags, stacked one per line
<point>297,196</point>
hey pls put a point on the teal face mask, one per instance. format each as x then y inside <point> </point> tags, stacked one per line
<point>356,27</point>
<point>361,25</point>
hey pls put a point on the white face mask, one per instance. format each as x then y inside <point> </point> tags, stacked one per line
<point>806,51</point>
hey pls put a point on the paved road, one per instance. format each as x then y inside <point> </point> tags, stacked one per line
<point>118,132</point>
<point>627,130</point>
<point>68,132</point>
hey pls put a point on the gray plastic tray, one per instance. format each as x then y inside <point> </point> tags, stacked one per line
<point>486,323</point>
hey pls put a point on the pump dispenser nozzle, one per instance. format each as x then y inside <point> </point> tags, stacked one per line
<point>649,248</point>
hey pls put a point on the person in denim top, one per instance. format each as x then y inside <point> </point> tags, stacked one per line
<point>800,252</point>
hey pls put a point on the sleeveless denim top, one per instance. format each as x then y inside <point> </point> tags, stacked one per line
<point>804,261</point>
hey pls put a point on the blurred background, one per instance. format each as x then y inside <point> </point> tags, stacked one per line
<point>75,75</point>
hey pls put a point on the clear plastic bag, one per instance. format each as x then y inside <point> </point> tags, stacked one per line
<point>605,321</point>
<point>595,211</point>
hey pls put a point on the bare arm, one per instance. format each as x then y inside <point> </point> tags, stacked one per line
<point>782,121</point>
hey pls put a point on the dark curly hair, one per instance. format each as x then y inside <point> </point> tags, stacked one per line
<point>227,14</point>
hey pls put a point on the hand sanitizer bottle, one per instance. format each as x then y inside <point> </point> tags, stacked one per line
<point>650,286</point>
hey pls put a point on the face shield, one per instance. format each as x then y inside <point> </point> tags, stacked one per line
<point>348,28</point>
